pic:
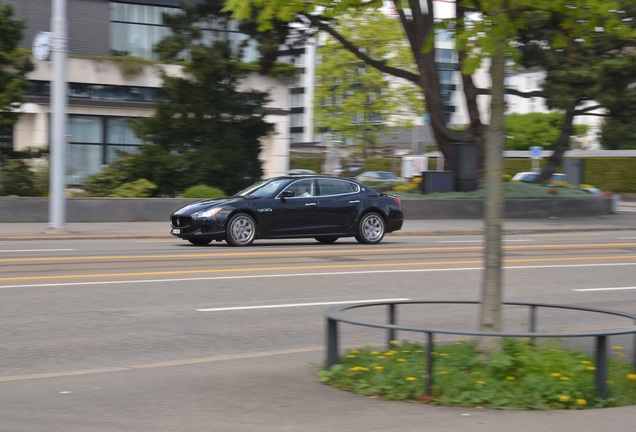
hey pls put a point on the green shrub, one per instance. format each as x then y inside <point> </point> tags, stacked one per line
<point>19,178</point>
<point>104,183</point>
<point>141,188</point>
<point>203,191</point>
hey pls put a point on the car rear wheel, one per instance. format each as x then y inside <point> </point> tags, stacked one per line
<point>200,241</point>
<point>371,229</point>
<point>241,230</point>
<point>327,239</point>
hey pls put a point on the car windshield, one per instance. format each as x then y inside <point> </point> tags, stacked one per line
<point>264,188</point>
<point>387,175</point>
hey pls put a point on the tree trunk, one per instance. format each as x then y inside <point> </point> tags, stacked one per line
<point>562,145</point>
<point>490,317</point>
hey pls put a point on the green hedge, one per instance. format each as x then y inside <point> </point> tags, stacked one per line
<point>608,174</point>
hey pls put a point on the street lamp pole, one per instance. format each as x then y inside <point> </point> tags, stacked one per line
<point>57,192</point>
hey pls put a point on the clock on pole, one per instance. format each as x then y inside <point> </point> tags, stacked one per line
<point>42,45</point>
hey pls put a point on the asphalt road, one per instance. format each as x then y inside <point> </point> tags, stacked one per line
<point>157,335</point>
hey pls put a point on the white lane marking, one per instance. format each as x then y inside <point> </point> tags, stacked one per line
<point>291,305</point>
<point>35,250</point>
<point>627,238</point>
<point>363,272</point>
<point>605,289</point>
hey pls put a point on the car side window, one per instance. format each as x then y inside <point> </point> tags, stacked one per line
<point>303,188</point>
<point>336,187</point>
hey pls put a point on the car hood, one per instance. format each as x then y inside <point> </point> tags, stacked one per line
<point>205,204</point>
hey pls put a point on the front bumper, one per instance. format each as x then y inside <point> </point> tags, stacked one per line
<point>185,227</point>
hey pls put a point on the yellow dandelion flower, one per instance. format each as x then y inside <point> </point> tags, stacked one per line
<point>617,347</point>
<point>555,374</point>
<point>379,368</point>
<point>375,352</point>
<point>480,382</point>
<point>590,368</point>
<point>443,354</point>
<point>354,352</point>
<point>419,351</point>
<point>393,342</point>
<point>565,379</point>
<point>564,398</point>
<point>460,343</point>
<point>411,378</point>
<point>355,368</point>
<point>581,402</point>
<point>365,369</point>
<point>511,378</point>
<point>381,357</point>
<point>351,356</point>
<point>401,360</point>
<point>631,376</point>
<point>585,361</point>
<point>443,373</point>
<point>406,351</point>
<point>476,373</point>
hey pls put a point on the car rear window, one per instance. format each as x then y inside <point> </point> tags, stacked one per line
<point>336,187</point>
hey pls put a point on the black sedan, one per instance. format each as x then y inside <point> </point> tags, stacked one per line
<point>321,207</point>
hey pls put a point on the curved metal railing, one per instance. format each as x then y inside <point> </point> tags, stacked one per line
<point>338,314</point>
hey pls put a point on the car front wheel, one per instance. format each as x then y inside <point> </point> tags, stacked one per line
<point>371,229</point>
<point>241,230</point>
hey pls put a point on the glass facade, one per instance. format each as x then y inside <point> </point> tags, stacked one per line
<point>101,92</point>
<point>93,143</point>
<point>136,29</point>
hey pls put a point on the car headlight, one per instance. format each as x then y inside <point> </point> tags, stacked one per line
<point>207,214</point>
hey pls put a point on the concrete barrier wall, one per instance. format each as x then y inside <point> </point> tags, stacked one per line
<point>18,209</point>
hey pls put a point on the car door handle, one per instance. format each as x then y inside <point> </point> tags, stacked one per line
<point>310,204</point>
<point>354,202</point>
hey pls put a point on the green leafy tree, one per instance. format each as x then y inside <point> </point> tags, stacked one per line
<point>493,34</point>
<point>14,65</point>
<point>207,132</point>
<point>536,129</point>
<point>589,62</point>
<point>353,100</point>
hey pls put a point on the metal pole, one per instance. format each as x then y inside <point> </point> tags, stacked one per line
<point>57,195</point>
<point>332,343</point>
<point>392,320</point>
<point>600,378</point>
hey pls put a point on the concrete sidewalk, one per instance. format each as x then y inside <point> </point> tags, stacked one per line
<point>624,219</point>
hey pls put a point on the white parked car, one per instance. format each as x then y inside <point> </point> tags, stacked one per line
<point>528,176</point>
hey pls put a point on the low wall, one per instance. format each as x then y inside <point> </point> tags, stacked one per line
<point>18,209</point>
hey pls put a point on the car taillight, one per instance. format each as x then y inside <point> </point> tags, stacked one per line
<point>397,200</point>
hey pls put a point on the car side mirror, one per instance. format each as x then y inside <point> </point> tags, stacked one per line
<point>287,194</point>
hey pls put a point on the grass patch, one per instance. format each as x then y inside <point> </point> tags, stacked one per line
<point>520,376</point>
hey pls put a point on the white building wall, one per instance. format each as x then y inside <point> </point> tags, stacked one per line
<point>32,129</point>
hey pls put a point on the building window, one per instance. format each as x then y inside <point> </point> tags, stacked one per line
<point>297,119</point>
<point>101,92</point>
<point>136,29</point>
<point>6,139</point>
<point>94,142</point>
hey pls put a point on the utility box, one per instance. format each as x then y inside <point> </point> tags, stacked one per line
<point>574,171</point>
<point>466,162</point>
<point>437,181</point>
